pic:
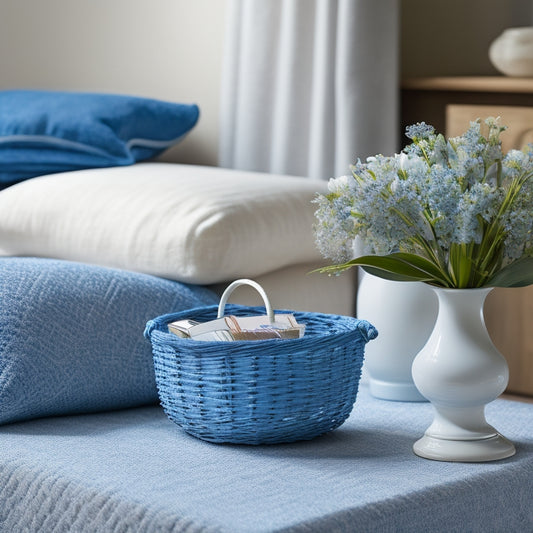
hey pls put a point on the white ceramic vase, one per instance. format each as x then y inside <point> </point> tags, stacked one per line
<point>459,370</point>
<point>404,314</point>
<point>512,52</point>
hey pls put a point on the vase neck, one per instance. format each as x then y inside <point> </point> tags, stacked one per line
<point>478,295</point>
<point>464,304</point>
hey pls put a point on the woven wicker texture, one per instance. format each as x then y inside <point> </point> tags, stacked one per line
<point>258,392</point>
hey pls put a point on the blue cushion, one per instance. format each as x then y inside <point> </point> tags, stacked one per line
<point>44,132</point>
<point>71,336</point>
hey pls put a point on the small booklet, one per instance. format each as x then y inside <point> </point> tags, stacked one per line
<point>181,327</point>
<point>233,328</point>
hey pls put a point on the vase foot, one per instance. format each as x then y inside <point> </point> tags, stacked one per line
<point>395,391</point>
<point>492,448</point>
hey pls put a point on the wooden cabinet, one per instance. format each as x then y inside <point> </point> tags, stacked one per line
<point>450,104</point>
<point>428,99</point>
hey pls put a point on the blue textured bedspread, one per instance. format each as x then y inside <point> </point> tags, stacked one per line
<point>133,470</point>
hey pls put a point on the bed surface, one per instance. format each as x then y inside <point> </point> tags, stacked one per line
<point>133,470</point>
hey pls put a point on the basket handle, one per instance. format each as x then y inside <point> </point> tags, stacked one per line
<point>232,286</point>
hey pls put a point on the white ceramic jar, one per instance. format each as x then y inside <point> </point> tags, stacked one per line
<point>404,314</point>
<point>512,52</point>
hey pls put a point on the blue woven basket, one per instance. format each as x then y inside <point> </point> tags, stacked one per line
<point>257,392</point>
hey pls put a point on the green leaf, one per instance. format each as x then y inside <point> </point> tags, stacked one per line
<point>517,274</point>
<point>423,264</point>
<point>384,274</point>
<point>460,264</point>
<point>396,267</point>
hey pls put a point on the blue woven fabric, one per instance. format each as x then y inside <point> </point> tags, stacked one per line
<point>71,336</point>
<point>135,471</point>
<point>43,132</point>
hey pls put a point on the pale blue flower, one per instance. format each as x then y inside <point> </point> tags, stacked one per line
<point>435,195</point>
<point>419,131</point>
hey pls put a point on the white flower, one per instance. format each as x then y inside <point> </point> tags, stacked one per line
<point>403,159</point>
<point>342,183</point>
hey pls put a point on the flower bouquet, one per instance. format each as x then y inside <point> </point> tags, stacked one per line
<point>454,213</point>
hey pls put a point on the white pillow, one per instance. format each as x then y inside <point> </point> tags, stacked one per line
<point>189,223</point>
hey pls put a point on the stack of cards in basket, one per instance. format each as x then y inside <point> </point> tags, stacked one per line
<point>239,328</point>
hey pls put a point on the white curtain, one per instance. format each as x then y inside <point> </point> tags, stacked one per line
<point>309,86</point>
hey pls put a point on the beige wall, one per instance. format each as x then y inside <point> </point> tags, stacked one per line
<point>172,49</point>
<point>452,37</point>
<point>167,49</point>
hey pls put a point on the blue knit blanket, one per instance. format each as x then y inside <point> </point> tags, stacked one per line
<point>135,471</point>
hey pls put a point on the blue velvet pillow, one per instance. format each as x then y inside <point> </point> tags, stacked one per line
<point>44,132</point>
<point>71,336</point>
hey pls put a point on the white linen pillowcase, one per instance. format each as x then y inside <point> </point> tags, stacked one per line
<point>188,223</point>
